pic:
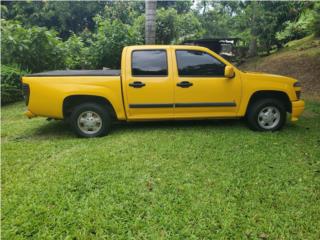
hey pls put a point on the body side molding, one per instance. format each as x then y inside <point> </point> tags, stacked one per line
<point>169,105</point>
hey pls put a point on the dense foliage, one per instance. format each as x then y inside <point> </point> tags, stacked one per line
<point>34,48</point>
<point>110,38</point>
<point>316,19</point>
<point>48,35</point>
<point>11,84</point>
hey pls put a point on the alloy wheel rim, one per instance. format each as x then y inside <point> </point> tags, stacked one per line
<point>89,122</point>
<point>269,117</point>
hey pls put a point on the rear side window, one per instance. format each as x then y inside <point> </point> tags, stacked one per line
<point>197,63</point>
<point>149,63</point>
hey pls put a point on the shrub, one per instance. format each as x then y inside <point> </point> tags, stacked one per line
<point>11,84</point>
<point>35,48</point>
<point>316,19</point>
<point>77,53</point>
<point>109,40</point>
<point>297,29</point>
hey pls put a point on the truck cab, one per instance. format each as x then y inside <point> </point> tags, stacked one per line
<point>163,82</point>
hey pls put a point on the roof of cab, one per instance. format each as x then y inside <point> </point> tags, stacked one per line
<point>165,47</point>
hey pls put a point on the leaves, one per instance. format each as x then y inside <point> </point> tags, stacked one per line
<point>35,48</point>
<point>11,84</point>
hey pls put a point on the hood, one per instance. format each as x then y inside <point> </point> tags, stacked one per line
<point>258,76</point>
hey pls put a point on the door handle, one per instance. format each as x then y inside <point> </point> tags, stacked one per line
<point>184,84</point>
<point>137,84</point>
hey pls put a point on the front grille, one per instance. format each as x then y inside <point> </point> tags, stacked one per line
<point>26,92</point>
<point>298,93</point>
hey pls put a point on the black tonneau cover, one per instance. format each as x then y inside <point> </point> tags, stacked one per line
<point>114,72</point>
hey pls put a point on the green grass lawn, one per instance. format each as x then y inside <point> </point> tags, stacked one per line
<point>172,180</point>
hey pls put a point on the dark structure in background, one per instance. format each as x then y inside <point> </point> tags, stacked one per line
<point>229,48</point>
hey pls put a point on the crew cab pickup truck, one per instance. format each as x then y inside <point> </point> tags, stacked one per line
<point>162,83</point>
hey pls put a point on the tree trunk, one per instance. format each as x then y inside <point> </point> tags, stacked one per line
<point>252,52</point>
<point>150,27</point>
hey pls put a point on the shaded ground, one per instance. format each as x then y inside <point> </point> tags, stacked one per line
<point>300,59</point>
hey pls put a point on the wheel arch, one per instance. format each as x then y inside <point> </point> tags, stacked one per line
<point>274,94</point>
<point>72,101</point>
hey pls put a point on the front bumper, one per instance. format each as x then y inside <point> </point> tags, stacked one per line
<point>297,109</point>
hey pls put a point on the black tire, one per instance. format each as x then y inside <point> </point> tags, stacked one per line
<point>256,107</point>
<point>101,111</point>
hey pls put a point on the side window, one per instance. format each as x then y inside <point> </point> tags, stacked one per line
<point>149,63</point>
<point>197,63</point>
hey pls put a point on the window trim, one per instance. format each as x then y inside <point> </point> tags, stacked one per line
<point>145,50</point>
<point>198,76</point>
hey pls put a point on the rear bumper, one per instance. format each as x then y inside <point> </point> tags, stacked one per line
<point>29,114</point>
<point>297,109</point>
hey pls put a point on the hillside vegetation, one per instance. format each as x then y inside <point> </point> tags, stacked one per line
<point>299,59</point>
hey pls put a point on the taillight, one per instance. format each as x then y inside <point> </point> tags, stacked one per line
<point>26,92</point>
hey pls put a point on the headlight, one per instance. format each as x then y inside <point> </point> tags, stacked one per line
<point>297,84</point>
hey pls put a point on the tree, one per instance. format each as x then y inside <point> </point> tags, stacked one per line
<point>35,49</point>
<point>150,25</point>
<point>179,6</point>
<point>316,19</point>
<point>66,17</point>
<point>108,41</point>
<point>258,22</point>
<point>174,28</point>
<point>217,18</point>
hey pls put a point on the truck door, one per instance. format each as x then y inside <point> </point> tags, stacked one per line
<point>201,90</point>
<point>148,84</point>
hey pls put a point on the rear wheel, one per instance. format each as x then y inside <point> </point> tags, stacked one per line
<point>266,115</point>
<point>90,120</point>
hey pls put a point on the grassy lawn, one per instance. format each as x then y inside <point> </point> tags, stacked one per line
<point>176,180</point>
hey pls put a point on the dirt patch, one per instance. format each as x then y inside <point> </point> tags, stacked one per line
<point>303,66</point>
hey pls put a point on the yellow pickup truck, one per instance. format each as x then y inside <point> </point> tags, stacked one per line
<point>162,83</point>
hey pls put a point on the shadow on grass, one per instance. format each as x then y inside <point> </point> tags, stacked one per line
<point>60,129</point>
<point>177,124</point>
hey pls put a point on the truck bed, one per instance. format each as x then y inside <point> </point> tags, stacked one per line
<point>113,72</point>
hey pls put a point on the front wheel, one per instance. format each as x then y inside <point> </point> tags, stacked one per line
<point>90,120</point>
<point>266,115</point>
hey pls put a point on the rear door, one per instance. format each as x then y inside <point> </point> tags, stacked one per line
<point>148,84</point>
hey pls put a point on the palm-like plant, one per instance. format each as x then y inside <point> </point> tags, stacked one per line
<point>150,27</point>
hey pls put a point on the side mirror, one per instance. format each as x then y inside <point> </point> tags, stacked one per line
<point>229,72</point>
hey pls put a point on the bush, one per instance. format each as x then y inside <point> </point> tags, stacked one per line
<point>77,53</point>
<point>316,19</point>
<point>36,48</point>
<point>174,28</point>
<point>109,40</point>
<point>11,84</point>
<point>297,29</point>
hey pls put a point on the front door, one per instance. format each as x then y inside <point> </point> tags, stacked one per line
<point>149,85</point>
<point>201,90</point>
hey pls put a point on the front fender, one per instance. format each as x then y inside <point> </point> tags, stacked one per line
<point>257,82</point>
